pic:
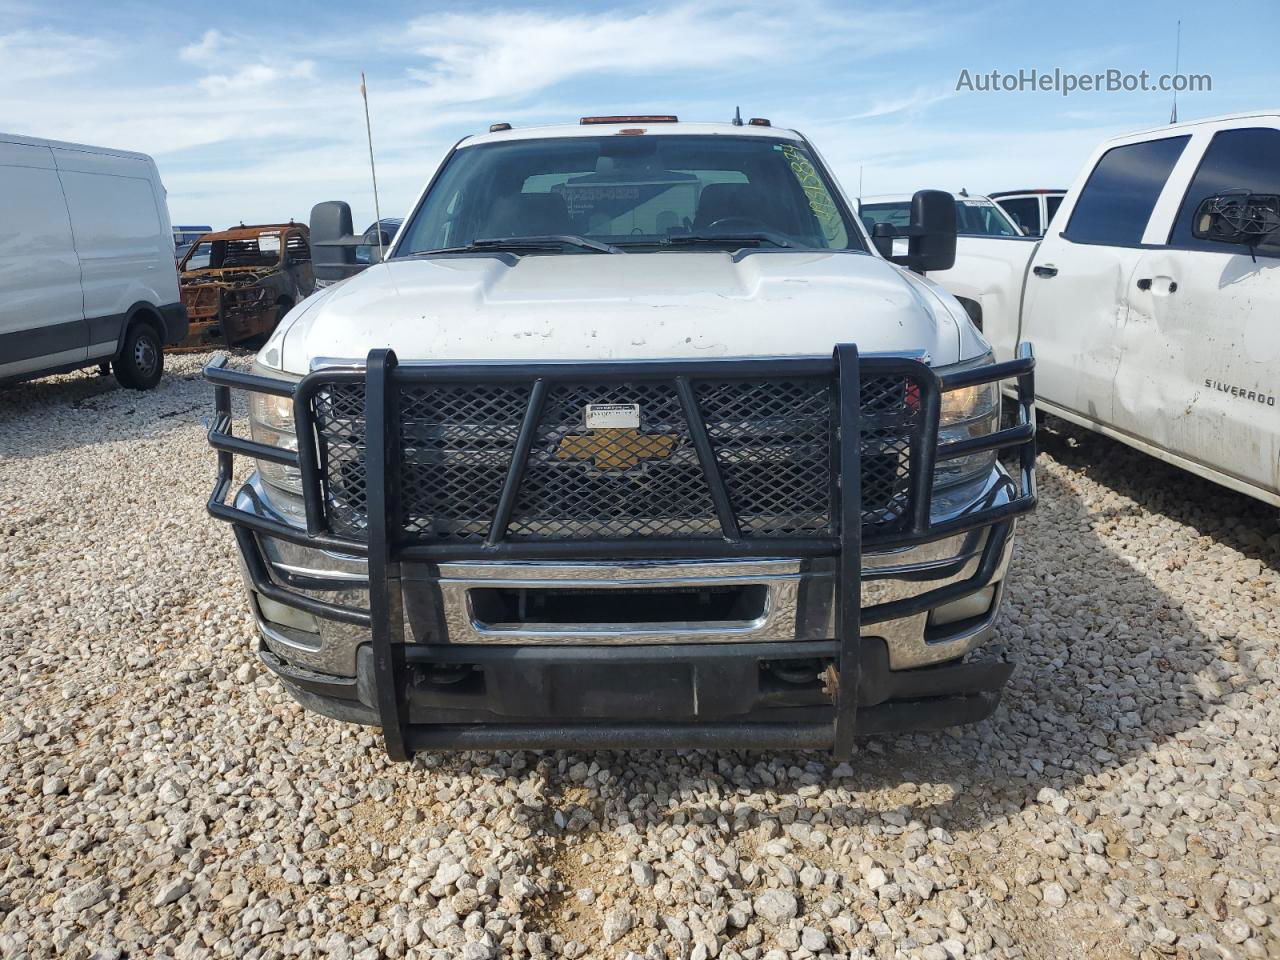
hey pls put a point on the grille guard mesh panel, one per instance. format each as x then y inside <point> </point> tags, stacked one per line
<point>773,439</point>
<point>457,443</point>
<point>582,483</point>
<point>339,411</point>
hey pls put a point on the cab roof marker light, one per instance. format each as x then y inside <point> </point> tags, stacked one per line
<point>759,122</point>
<point>499,127</point>
<point>657,118</point>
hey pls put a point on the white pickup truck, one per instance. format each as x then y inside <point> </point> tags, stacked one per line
<point>1032,210</point>
<point>991,250</point>
<point>1154,302</point>
<point>592,459</point>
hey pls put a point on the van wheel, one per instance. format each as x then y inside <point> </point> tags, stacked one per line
<point>141,361</point>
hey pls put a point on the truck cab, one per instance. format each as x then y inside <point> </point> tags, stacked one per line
<point>1153,301</point>
<point>633,439</point>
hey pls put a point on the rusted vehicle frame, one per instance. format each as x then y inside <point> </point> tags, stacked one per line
<point>232,304</point>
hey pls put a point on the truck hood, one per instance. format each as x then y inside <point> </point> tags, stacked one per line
<point>624,306</point>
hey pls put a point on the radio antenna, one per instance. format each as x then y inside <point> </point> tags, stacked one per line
<point>1177,60</point>
<point>373,170</point>
<point>737,116</point>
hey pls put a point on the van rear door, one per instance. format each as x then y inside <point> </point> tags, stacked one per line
<point>1200,361</point>
<point>41,306</point>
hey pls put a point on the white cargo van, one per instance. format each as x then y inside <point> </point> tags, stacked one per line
<point>1154,300</point>
<point>87,275</point>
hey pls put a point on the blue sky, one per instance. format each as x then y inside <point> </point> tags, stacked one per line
<point>252,110</point>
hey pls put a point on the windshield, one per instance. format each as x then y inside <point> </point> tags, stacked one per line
<point>974,218</point>
<point>632,192</point>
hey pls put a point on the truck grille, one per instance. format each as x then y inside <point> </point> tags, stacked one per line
<point>774,442</point>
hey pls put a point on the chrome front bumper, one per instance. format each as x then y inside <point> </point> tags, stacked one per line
<point>797,604</point>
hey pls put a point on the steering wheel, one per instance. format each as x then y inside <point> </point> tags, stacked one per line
<point>747,223</point>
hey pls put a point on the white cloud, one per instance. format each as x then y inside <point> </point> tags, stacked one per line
<point>261,124</point>
<point>256,78</point>
<point>912,102</point>
<point>27,55</point>
<point>512,56</point>
<point>206,50</point>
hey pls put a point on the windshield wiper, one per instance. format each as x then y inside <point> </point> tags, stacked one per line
<point>549,241</point>
<point>755,236</point>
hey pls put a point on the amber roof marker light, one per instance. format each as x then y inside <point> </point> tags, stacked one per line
<point>499,127</point>
<point>657,118</point>
<point>759,122</point>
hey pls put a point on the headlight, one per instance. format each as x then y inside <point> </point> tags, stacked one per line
<point>271,422</point>
<point>967,412</point>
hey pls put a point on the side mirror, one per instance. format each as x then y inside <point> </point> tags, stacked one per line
<point>882,235</point>
<point>333,245</point>
<point>1244,218</point>
<point>932,233</point>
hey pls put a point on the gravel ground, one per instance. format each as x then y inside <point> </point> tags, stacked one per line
<point>161,797</point>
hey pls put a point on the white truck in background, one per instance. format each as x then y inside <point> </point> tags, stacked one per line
<point>1031,210</point>
<point>1154,303</point>
<point>991,251</point>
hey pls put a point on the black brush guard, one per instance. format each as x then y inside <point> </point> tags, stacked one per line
<point>386,543</point>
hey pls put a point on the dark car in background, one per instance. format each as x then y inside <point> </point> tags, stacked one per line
<point>388,225</point>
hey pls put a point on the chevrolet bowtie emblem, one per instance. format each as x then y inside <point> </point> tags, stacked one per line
<point>616,448</point>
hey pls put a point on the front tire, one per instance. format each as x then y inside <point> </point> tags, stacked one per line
<point>141,361</point>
